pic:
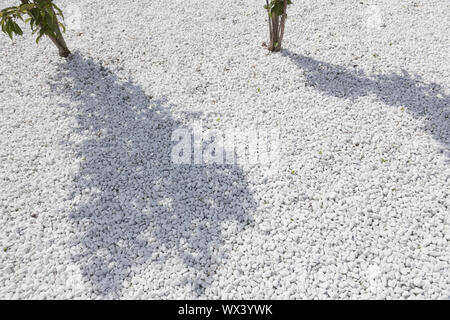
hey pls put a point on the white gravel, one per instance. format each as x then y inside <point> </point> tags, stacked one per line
<point>91,205</point>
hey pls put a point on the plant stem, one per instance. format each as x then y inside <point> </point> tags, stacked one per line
<point>283,23</point>
<point>270,27</point>
<point>275,25</point>
<point>59,41</point>
<point>276,28</point>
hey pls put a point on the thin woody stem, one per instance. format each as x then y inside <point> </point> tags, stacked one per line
<point>275,27</point>
<point>270,26</point>
<point>283,23</point>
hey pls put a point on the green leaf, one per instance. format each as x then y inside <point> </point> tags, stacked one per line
<point>59,11</point>
<point>276,7</point>
<point>62,26</point>
<point>9,28</point>
<point>16,28</point>
<point>41,33</point>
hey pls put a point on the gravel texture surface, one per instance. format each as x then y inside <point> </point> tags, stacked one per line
<point>91,205</point>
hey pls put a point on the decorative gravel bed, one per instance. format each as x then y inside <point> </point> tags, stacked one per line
<point>92,204</point>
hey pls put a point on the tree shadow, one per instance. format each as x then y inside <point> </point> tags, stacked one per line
<point>133,204</point>
<point>422,100</point>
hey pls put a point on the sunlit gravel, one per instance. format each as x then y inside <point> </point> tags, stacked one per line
<point>93,206</point>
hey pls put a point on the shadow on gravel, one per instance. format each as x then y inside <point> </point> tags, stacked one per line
<point>134,206</point>
<point>422,100</point>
